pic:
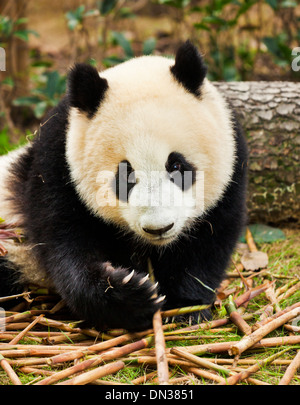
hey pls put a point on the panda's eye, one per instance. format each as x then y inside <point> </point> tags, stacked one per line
<point>175,167</point>
<point>180,171</point>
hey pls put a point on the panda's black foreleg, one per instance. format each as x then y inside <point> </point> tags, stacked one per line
<point>104,296</point>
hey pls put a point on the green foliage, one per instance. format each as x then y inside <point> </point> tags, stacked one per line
<point>106,6</point>
<point>75,17</point>
<point>6,145</point>
<point>118,38</point>
<point>48,90</point>
<point>279,49</point>
<point>175,3</point>
<point>9,28</point>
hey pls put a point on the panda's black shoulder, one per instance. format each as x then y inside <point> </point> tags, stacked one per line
<point>45,151</point>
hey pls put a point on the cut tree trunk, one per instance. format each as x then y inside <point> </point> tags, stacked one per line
<point>269,113</point>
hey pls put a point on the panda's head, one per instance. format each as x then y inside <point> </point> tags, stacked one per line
<point>150,143</point>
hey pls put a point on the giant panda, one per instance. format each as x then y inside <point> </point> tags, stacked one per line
<point>139,168</point>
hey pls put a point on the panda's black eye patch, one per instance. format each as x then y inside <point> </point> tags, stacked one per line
<point>125,180</point>
<point>181,172</point>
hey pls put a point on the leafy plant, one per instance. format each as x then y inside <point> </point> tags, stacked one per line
<point>278,47</point>
<point>222,55</point>
<point>106,6</point>
<point>50,86</point>
<point>119,39</point>
<point>9,28</point>
<point>75,17</point>
<point>175,3</point>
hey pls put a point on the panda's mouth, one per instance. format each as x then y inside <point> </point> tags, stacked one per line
<point>160,239</point>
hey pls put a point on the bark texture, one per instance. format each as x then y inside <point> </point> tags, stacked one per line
<point>270,116</point>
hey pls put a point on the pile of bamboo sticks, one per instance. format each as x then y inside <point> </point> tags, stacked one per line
<point>60,352</point>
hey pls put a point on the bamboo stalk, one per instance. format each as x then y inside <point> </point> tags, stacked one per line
<point>11,297</point>
<point>8,346</point>
<point>236,317</point>
<point>234,379</point>
<point>205,374</point>
<point>28,361</point>
<point>200,361</point>
<point>256,336</point>
<point>9,371</point>
<point>291,370</point>
<point>160,349</point>
<point>14,318</point>
<point>144,378</point>
<point>250,294</point>
<point>96,348</point>
<point>249,361</point>
<point>68,337</point>
<point>37,371</point>
<point>16,339</point>
<point>275,316</point>
<point>93,375</point>
<point>279,291</point>
<point>289,292</point>
<point>270,294</point>
<point>224,346</point>
<point>184,310</point>
<point>201,326</point>
<point>96,360</point>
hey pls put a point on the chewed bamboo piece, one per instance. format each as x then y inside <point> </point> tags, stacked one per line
<point>160,349</point>
<point>160,345</point>
<point>250,241</point>
<point>256,336</point>
<point>237,318</point>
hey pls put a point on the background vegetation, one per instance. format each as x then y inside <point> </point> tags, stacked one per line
<point>241,40</point>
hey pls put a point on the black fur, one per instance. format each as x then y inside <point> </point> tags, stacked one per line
<point>189,69</point>
<point>9,284</point>
<point>86,88</point>
<point>124,180</point>
<point>185,176</point>
<point>78,249</point>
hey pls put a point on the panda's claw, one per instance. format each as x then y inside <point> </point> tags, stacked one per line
<point>143,280</point>
<point>128,277</point>
<point>153,287</point>
<point>160,299</point>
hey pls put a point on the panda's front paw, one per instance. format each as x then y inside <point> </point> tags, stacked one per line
<point>132,299</point>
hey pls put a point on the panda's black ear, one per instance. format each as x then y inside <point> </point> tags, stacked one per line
<point>86,89</point>
<point>189,68</point>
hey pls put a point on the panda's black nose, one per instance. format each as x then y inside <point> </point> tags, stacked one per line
<point>159,231</point>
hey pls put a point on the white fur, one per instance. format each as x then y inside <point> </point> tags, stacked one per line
<point>6,211</point>
<point>20,254</point>
<point>145,116</point>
